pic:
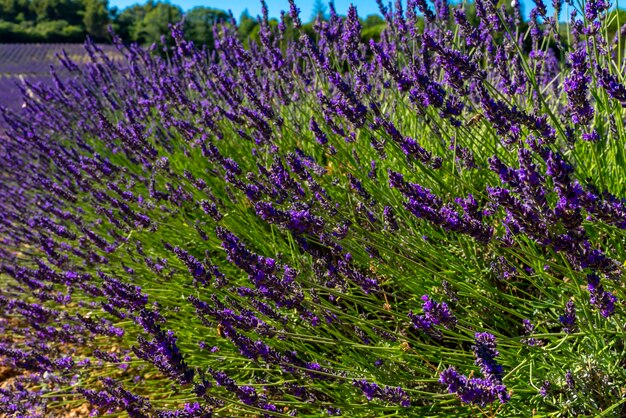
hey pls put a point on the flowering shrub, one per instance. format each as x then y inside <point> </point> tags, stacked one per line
<point>427,224</point>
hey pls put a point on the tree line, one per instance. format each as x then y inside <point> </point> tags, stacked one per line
<point>68,21</point>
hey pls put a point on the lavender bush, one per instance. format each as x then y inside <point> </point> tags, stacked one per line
<point>427,224</point>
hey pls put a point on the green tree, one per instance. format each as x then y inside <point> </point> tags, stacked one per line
<point>199,23</point>
<point>8,10</point>
<point>48,10</point>
<point>25,11</point>
<point>96,18</point>
<point>247,25</point>
<point>58,30</point>
<point>155,23</point>
<point>373,20</point>
<point>372,27</point>
<point>126,23</point>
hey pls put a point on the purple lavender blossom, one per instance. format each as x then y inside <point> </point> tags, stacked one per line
<point>320,136</point>
<point>479,391</point>
<point>474,391</point>
<point>115,396</point>
<point>593,8</point>
<point>123,295</point>
<point>162,351</point>
<point>425,204</point>
<point>611,84</point>
<point>435,313</point>
<point>577,86</point>
<point>486,353</point>
<point>386,394</point>
<point>599,298</point>
<point>294,12</point>
<point>568,319</point>
<point>569,380</point>
<point>189,410</point>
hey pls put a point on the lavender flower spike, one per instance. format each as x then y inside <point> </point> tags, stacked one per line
<point>486,353</point>
<point>568,319</point>
<point>435,313</point>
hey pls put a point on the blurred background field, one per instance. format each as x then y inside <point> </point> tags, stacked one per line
<point>24,64</point>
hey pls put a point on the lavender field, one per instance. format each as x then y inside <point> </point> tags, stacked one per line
<point>429,223</point>
<point>21,64</point>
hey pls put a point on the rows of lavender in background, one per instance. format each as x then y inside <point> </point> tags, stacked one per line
<point>20,63</point>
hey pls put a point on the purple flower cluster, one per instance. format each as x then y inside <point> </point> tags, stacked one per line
<point>479,391</point>
<point>189,410</point>
<point>611,84</point>
<point>435,313</point>
<point>473,390</point>
<point>568,319</point>
<point>424,204</point>
<point>386,394</point>
<point>264,272</point>
<point>486,353</point>
<point>599,298</point>
<point>577,88</point>
<point>162,350</point>
<point>114,396</point>
<point>246,394</point>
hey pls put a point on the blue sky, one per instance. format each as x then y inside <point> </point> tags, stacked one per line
<point>365,7</point>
